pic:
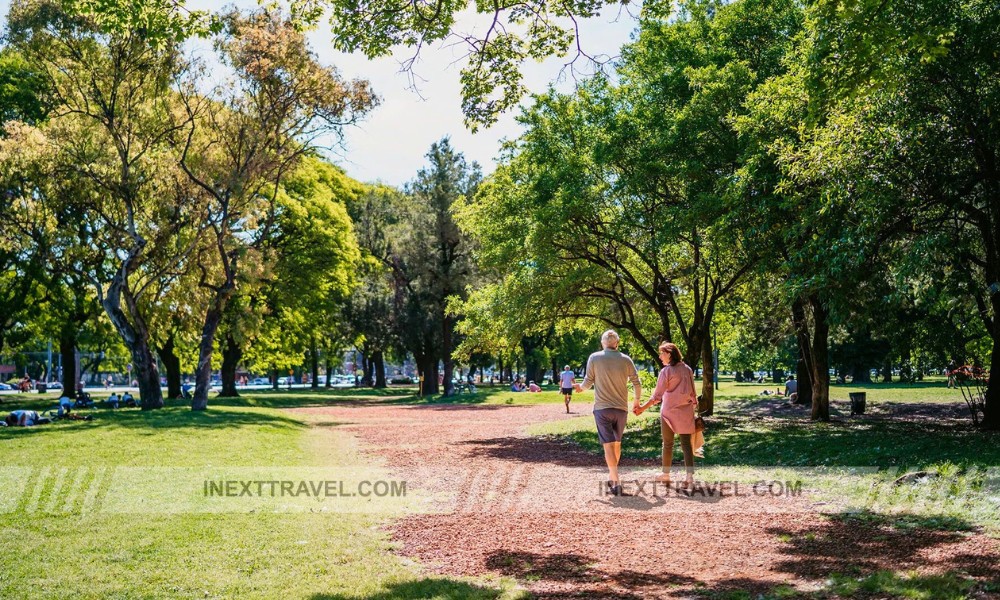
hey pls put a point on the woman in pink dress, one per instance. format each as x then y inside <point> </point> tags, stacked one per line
<point>678,403</point>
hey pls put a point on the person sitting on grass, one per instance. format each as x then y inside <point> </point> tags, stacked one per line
<point>128,400</point>
<point>517,386</point>
<point>533,387</point>
<point>65,406</point>
<point>112,400</point>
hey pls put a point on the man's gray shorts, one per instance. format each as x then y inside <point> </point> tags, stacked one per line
<point>610,424</point>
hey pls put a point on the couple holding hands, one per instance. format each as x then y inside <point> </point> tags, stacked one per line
<point>609,372</point>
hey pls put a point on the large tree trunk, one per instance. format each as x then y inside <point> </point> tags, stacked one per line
<point>314,360</point>
<point>366,368</point>
<point>887,371</point>
<point>134,335</point>
<point>820,373</point>
<point>203,372</point>
<point>805,393</point>
<point>232,353</point>
<point>802,338</point>
<point>991,418</point>
<point>707,404</point>
<point>172,365</point>
<point>500,370</point>
<point>274,378</point>
<point>67,352</point>
<point>429,370</point>
<point>378,359</point>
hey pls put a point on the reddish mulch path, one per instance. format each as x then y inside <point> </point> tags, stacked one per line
<point>533,509</point>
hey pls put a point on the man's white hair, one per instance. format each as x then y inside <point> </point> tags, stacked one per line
<point>609,339</point>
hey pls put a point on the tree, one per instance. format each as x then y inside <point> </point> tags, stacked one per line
<point>112,114</point>
<point>432,261</point>
<point>925,77</point>
<point>249,133</point>
<point>624,194</point>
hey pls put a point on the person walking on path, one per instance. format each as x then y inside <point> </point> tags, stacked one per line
<point>609,372</point>
<point>567,379</point>
<point>678,404</point>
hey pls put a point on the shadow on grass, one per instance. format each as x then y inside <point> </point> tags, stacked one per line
<point>580,572</point>
<point>170,417</point>
<point>438,588</point>
<point>737,440</point>
<point>858,545</point>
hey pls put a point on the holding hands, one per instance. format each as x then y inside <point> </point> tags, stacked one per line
<point>638,410</point>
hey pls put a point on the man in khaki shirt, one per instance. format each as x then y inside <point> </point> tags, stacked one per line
<point>609,372</point>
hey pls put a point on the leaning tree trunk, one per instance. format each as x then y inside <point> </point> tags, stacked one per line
<point>707,404</point>
<point>378,359</point>
<point>203,372</point>
<point>135,336</point>
<point>820,373</point>
<point>232,353</point>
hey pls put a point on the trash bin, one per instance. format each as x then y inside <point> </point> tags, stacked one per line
<point>42,388</point>
<point>857,403</point>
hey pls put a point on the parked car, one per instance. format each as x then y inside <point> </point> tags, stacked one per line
<point>4,386</point>
<point>261,381</point>
<point>55,385</point>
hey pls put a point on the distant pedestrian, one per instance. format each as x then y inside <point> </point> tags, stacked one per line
<point>566,381</point>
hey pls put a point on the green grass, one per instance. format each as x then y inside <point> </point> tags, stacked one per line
<point>931,391</point>
<point>852,464</point>
<point>57,549</point>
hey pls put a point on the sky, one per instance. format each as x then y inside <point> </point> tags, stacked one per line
<point>390,143</point>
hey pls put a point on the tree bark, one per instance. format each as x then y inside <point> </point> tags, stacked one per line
<point>329,373</point>
<point>707,404</point>
<point>134,333</point>
<point>429,369</point>
<point>820,374</point>
<point>232,353</point>
<point>314,360</point>
<point>991,412</point>
<point>366,368</point>
<point>447,327</point>
<point>172,365</point>
<point>887,371</point>
<point>805,352</point>
<point>805,393</point>
<point>67,352</point>
<point>378,359</point>
<point>203,372</point>
<point>274,378</point>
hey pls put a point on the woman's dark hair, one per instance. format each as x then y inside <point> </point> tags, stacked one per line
<point>673,351</point>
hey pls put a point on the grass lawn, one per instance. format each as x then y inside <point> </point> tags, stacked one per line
<point>56,545</point>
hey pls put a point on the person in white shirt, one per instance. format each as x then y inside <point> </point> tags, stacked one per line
<point>566,380</point>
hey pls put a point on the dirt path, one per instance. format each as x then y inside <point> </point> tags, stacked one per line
<point>534,509</point>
